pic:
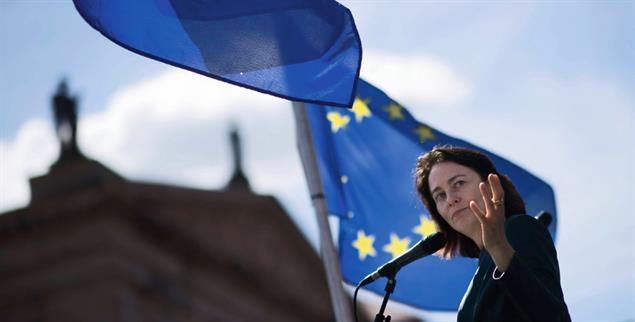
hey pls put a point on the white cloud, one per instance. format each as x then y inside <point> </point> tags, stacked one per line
<point>29,154</point>
<point>169,126</point>
<point>415,78</point>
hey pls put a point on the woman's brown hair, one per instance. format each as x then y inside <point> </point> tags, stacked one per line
<point>457,243</point>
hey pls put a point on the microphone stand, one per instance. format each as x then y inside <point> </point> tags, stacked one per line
<point>390,287</point>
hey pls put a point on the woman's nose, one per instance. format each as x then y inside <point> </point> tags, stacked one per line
<point>453,199</point>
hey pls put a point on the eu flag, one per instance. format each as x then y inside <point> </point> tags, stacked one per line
<point>302,50</point>
<point>366,158</point>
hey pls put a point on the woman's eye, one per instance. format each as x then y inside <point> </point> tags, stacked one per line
<point>459,183</point>
<point>439,197</point>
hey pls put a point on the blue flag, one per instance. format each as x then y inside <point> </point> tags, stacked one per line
<point>302,50</point>
<point>366,157</point>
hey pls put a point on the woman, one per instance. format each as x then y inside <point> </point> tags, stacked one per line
<point>482,216</point>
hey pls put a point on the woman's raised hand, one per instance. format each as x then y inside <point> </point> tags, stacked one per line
<point>492,220</point>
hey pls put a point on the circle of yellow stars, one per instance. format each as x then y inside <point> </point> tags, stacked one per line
<point>340,121</point>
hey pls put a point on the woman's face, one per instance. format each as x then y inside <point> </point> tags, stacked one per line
<point>453,186</point>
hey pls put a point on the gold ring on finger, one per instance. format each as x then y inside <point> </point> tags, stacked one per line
<point>497,203</point>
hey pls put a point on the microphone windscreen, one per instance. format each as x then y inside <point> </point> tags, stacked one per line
<point>544,218</point>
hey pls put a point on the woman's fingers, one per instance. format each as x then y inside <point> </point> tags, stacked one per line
<point>492,194</point>
<point>497,192</point>
<point>487,198</point>
<point>476,210</point>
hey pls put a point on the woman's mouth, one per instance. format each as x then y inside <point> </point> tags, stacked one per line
<point>458,213</point>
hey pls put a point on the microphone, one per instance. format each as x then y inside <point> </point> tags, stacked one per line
<point>421,249</point>
<point>544,218</point>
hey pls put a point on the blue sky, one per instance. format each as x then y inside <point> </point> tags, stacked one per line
<point>548,85</point>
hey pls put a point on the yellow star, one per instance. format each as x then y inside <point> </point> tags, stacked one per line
<point>426,227</point>
<point>424,133</point>
<point>360,108</point>
<point>364,245</point>
<point>394,111</point>
<point>337,120</point>
<point>397,246</point>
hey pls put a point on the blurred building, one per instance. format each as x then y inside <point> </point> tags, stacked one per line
<point>93,246</point>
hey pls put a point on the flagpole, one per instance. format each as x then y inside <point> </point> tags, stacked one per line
<point>341,303</point>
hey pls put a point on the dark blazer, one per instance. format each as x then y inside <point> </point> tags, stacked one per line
<point>529,290</point>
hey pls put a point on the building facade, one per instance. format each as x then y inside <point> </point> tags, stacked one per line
<point>94,246</point>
